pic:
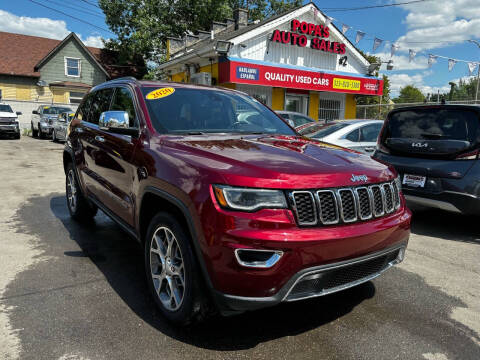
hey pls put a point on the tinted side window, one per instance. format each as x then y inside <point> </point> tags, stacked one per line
<point>100,103</point>
<point>370,133</point>
<point>84,108</point>
<point>353,136</point>
<point>123,101</point>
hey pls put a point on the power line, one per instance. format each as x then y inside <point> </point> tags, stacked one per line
<point>83,7</point>
<point>374,6</point>
<point>90,3</point>
<point>71,16</point>
<point>75,9</point>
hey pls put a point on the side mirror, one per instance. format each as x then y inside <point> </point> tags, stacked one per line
<point>116,122</point>
<point>35,112</point>
<point>291,123</point>
<point>19,113</point>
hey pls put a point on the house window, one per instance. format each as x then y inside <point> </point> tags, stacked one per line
<point>72,67</point>
<point>76,97</point>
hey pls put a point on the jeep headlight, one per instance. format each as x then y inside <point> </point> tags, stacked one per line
<point>249,199</point>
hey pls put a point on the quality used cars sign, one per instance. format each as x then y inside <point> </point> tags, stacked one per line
<point>232,71</point>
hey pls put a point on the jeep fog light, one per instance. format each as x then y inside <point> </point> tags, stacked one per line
<point>262,259</point>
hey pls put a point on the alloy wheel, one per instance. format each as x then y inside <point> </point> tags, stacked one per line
<point>71,191</point>
<point>167,268</point>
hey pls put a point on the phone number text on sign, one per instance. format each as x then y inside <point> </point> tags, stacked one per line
<point>346,84</point>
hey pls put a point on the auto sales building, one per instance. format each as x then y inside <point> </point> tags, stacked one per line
<point>295,61</point>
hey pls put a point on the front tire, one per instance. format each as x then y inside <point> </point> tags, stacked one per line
<point>79,207</point>
<point>34,132</point>
<point>40,132</point>
<point>54,136</point>
<point>172,272</point>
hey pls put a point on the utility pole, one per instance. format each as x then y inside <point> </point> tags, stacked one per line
<point>478,70</point>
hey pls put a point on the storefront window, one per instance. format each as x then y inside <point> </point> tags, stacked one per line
<point>329,109</point>
<point>296,103</point>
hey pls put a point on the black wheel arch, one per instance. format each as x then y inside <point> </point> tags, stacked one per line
<point>154,200</point>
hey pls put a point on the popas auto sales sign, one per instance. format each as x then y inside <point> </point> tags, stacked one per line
<point>298,36</point>
<point>276,76</point>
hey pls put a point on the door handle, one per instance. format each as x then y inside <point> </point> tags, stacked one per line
<point>99,139</point>
<point>369,149</point>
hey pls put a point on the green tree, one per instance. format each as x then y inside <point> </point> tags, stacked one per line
<point>142,26</point>
<point>409,94</point>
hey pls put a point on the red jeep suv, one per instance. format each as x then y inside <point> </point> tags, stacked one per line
<point>233,208</point>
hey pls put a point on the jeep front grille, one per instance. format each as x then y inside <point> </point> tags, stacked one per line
<point>344,205</point>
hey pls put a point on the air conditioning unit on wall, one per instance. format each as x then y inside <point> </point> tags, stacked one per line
<point>201,78</point>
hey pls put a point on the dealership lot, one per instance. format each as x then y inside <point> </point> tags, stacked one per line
<point>78,292</point>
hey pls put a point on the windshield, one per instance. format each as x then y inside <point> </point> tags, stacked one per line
<point>328,130</point>
<point>434,124</point>
<point>5,108</point>
<point>209,111</point>
<point>53,110</point>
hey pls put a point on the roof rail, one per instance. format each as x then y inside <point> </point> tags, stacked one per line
<point>125,78</point>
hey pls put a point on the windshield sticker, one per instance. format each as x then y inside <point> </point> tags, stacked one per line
<point>46,107</point>
<point>160,93</point>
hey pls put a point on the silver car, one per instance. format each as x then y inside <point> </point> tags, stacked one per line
<point>60,125</point>
<point>359,135</point>
<point>43,118</point>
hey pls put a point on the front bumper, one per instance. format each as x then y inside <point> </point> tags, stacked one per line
<point>9,129</point>
<point>46,128</point>
<point>319,280</point>
<point>306,251</point>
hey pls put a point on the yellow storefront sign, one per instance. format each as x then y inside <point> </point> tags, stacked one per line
<point>346,84</point>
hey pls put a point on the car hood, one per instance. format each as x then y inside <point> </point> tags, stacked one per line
<point>4,114</point>
<point>288,161</point>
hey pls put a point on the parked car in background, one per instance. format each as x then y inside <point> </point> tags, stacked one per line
<point>9,121</point>
<point>232,214</point>
<point>296,120</point>
<point>436,151</point>
<point>59,132</point>
<point>43,118</point>
<point>359,135</point>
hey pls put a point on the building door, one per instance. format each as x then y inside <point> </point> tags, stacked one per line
<point>297,103</point>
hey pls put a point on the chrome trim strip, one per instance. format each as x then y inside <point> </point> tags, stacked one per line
<point>397,192</point>
<point>328,267</point>
<point>360,205</point>
<point>382,199</point>
<point>334,197</point>
<point>276,255</point>
<point>392,208</point>
<point>292,197</point>
<point>340,204</point>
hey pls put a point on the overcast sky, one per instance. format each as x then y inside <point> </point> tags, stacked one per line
<point>440,27</point>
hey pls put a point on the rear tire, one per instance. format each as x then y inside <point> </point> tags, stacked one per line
<point>79,207</point>
<point>172,272</point>
<point>17,136</point>
<point>34,132</point>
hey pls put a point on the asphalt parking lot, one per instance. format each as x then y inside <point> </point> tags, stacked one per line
<point>78,292</point>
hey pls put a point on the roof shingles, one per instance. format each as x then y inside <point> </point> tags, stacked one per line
<point>21,53</point>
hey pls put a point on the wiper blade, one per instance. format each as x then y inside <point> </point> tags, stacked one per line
<point>195,133</point>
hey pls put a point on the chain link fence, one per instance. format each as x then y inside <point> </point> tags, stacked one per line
<point>380,111</point>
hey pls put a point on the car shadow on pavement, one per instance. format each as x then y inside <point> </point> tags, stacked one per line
<point>75,296</point>
<point>445,225</point>
<point>120,259</point>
